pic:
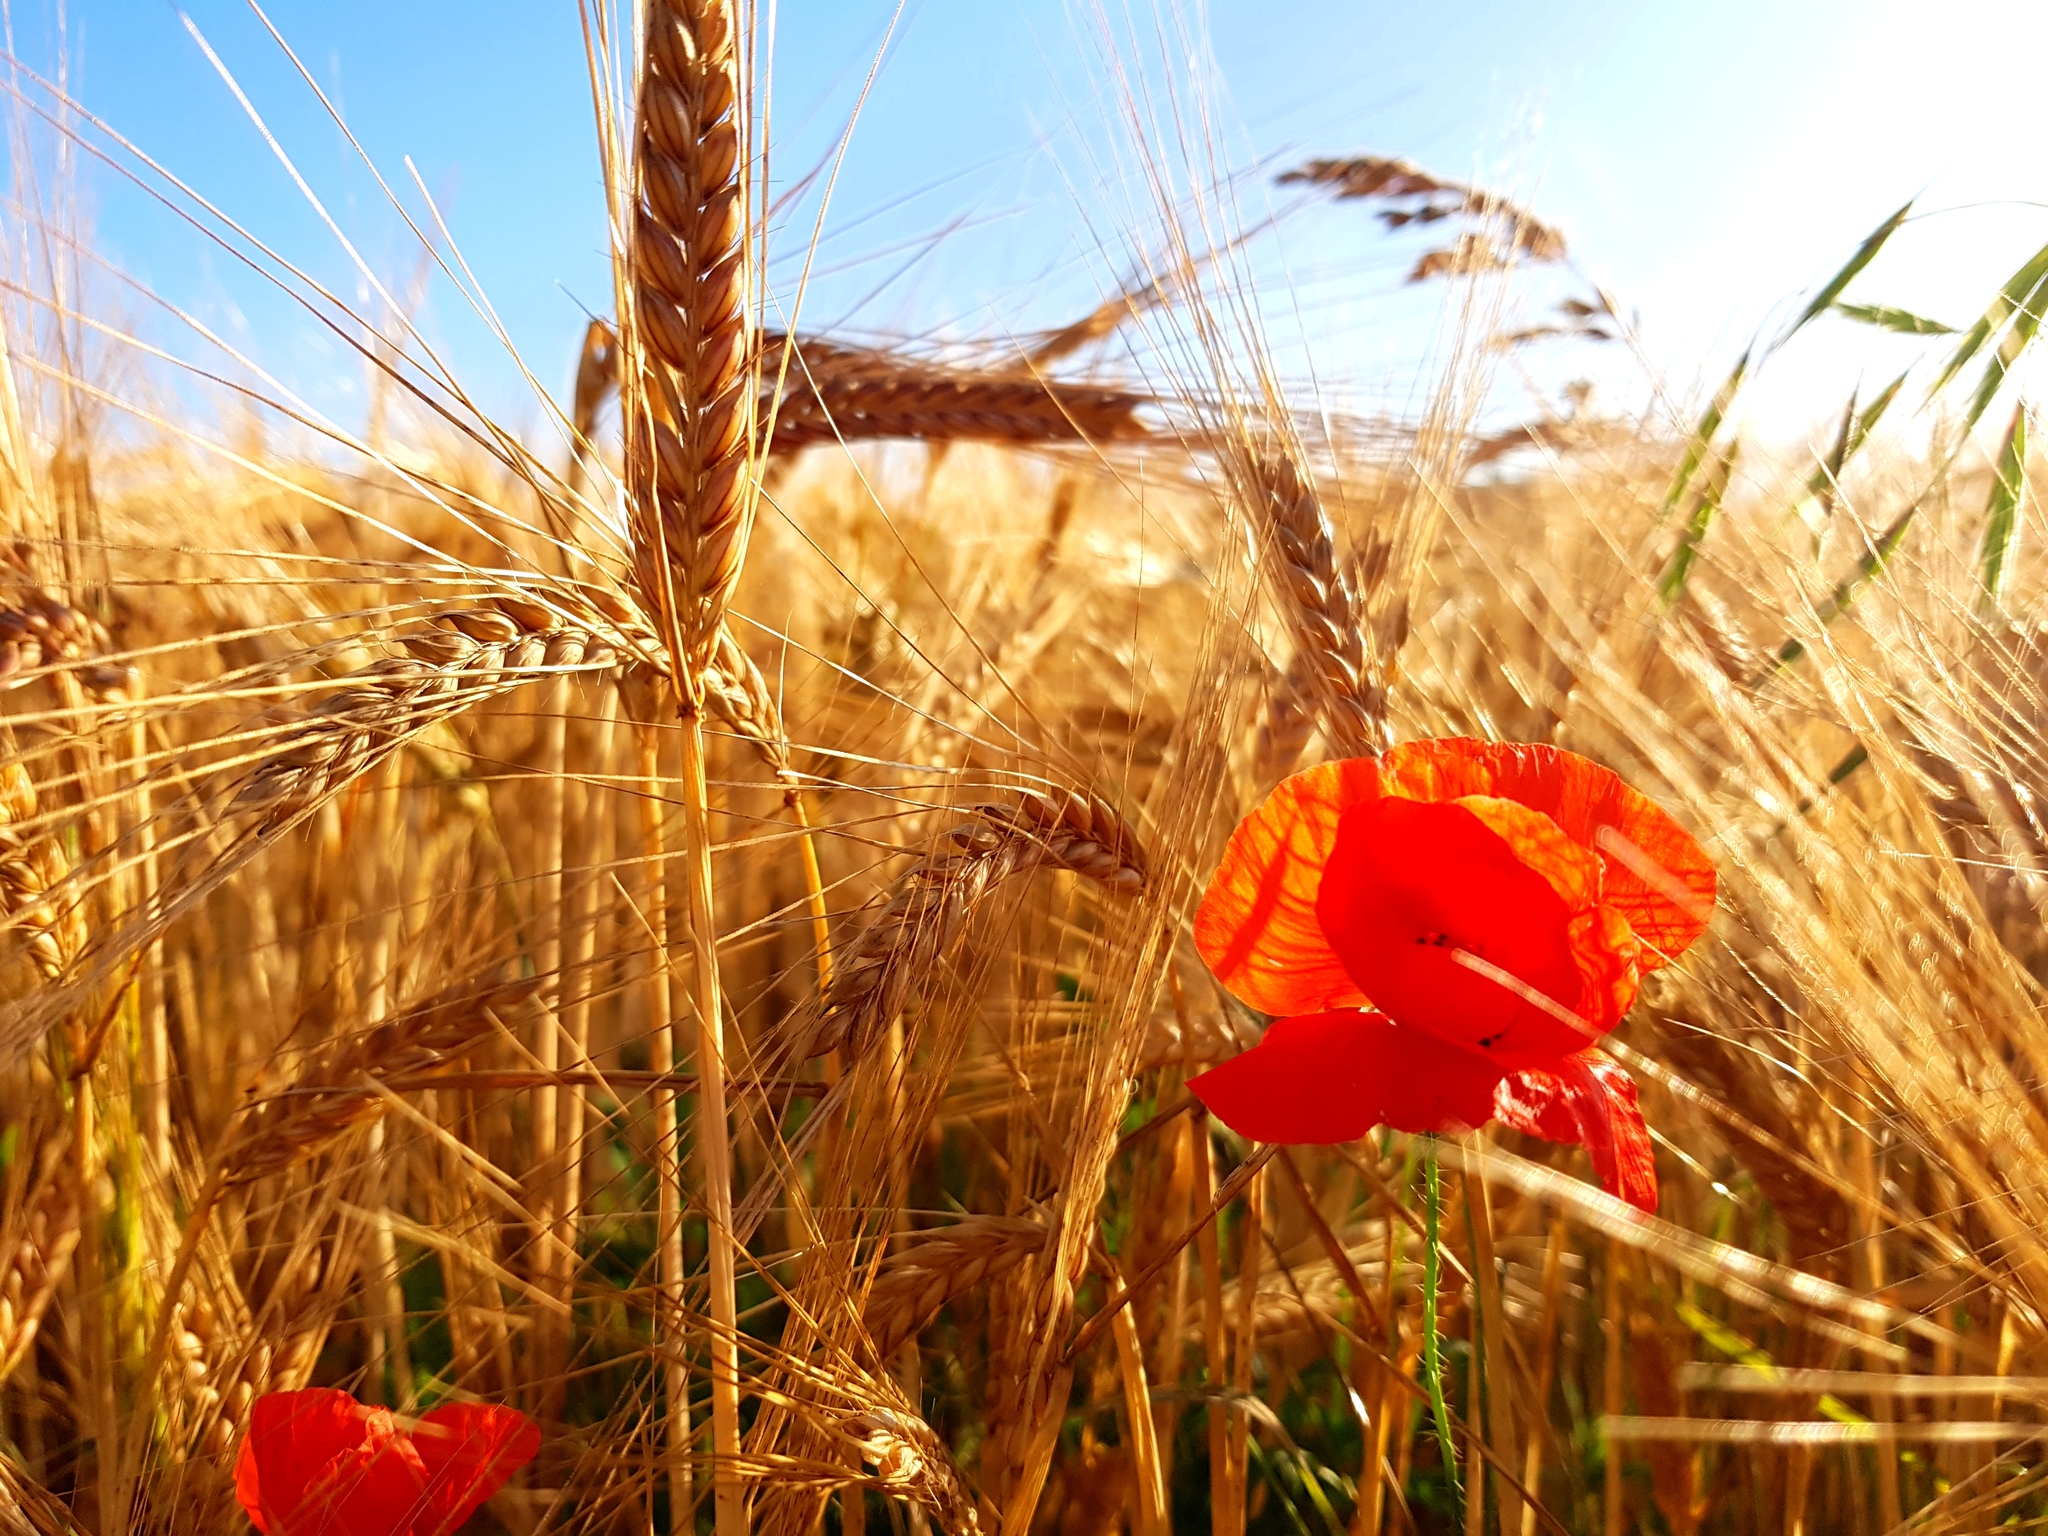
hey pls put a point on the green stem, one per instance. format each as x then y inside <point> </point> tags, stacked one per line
<point>1432,1357</point>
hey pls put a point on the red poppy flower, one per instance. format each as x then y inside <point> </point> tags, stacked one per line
<point>318,1463</point>
<point>1494,905</point>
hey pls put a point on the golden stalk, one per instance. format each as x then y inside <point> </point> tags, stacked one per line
<point>714,1148</point>
<point>1501,1393</point>
<point>668,1198</point>
<point>689,409</point>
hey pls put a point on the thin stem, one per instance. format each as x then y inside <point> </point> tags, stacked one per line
<point>668,1198</point>
<point>549,1362</point>
<point>814,886</point>
<point>713,1140</point>
<point>1432,1354</point>
<point>1499,1377</point>
<point>157,1352</point>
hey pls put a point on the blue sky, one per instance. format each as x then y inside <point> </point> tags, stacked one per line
<point>1705,162</point>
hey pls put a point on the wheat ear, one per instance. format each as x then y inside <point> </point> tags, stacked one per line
<point>917,924</point>
<point>939,1265</point>
<point>38,1252</point>
<point>912,1462</point>
<point>847,394</point>
<point>343,1087</point>
<point>471,655</point>
<point>597,375</point>
<point>690,399</point>
<point>1314,592</point>
<point>32,865</point>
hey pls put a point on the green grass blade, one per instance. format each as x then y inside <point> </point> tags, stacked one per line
<point>1672,586</point>
<point>1703,435</point>
<point>1825,482</point>
<point>2024,326</point>
<point>1826,479</point>
<point>2011,298</point>
<point>1865,254</point>
<point>1851,762</point>
<point>2002,515</point>
<point>1874,560</point>
<point>1432,1355</point>
<point>1873,413</point>
<point>1885,318</point>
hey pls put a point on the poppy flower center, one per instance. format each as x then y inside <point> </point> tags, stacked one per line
<point>1414,892</point>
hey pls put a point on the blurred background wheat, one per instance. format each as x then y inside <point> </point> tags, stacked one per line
<point>676,919</point>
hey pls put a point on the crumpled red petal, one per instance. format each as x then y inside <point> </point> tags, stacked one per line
<point>1480,922</point>
<point>318,1463</point>
<point>468,1451</point>
<point>1257,926</point>
<point>1657,875</point>
<point>1588,1099</point>
<point>1333,1076</point>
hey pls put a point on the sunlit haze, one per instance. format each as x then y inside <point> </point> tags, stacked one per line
<point>1705,164</point>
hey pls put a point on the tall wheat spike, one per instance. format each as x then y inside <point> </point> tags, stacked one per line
<point>689,408</point>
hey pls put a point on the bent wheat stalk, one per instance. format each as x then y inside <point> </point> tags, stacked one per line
<point>346,1085</point>
<point>341,1089</point>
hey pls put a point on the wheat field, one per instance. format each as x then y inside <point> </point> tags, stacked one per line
<point>679,921</point>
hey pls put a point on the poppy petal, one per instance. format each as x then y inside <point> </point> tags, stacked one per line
<point>469,1450</point>
<point>377,1489</point>
<point>1657,875</point>
<point>293,1438</point>
<point>1589,1099</point>
<point>318,1463</point>
<point>1257,926</point>
<point>1450,917</point>
<point>1331,1077</point>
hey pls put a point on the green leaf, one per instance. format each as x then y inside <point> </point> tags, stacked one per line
<point>1825,483</point>
<point>2019,335</point>
<point>1854,759</point>
<point>1865,254</point>
<point>2011,298</point>
<point>1703,435</point>
<point>1874,560</point>
<point>1705,505</point>
<point>2002,515</point>
<point>1885,318</point>
<point>1710,424</point>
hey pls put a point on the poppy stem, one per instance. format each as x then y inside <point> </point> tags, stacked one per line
<point>1432,1355</point>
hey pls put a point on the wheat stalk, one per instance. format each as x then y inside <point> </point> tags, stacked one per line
<point>689,409</point>
<point>917,924</point>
